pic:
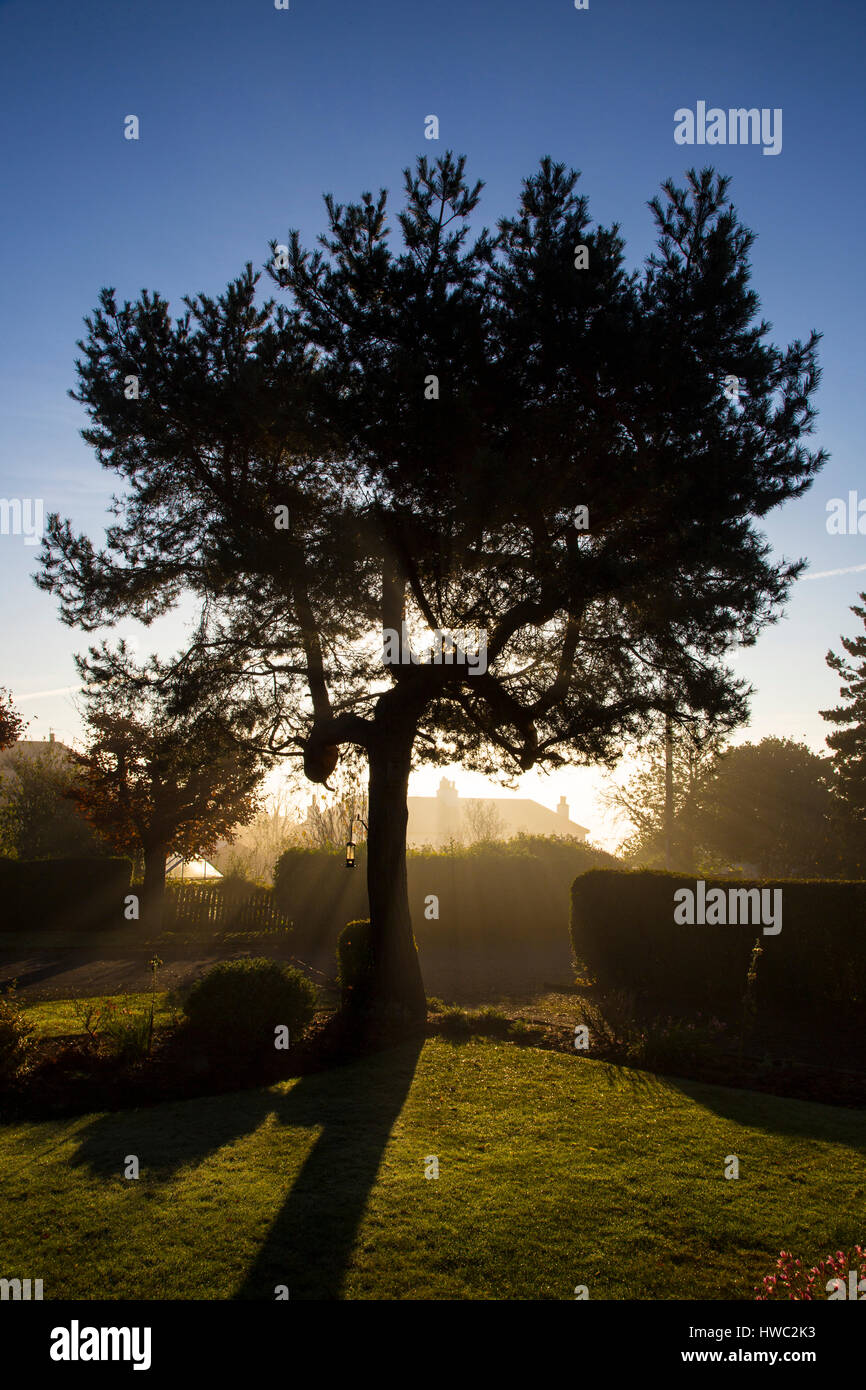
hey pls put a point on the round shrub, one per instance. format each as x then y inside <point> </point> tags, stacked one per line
<point>16,1037</point>
<point>354,957</point>
<point>236,1007</point>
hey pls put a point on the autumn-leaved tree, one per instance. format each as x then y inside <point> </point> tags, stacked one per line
<point>165,769</point>
<point>504,434</point>
<point>11,722</point>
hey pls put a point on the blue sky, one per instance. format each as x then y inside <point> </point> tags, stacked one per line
<point>248,114</point>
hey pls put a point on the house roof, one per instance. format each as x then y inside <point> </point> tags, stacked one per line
<point>32,747</point>
<point>437,818</point>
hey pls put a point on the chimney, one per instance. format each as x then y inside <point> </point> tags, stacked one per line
<point>447,792</point>
<point>562,808</point>
<point>50,735</point>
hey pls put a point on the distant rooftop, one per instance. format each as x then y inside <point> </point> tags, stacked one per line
<point>30,747</point>
<point>434,820</point>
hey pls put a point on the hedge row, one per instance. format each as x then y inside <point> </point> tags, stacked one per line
<point>502,897</point>
<point>623,930</point>
<point>65,894</point>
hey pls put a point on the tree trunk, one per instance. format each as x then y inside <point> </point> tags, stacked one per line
<point>153,887</point>
<point>395,985</point>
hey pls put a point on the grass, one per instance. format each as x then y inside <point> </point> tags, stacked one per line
<point>57,1017</point>
<point>553,1172</point>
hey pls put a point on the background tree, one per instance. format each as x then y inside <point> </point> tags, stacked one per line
<point>642,799</point>
<point>419,437</point>
<point>38,816</point>
<point>165,769</point>
<point>848,742</point>
<point>329,821</point>
<point>257,846</point>
<point>765,807</point>
<point>328,825</point>
<point>483,822</point>
<point>769,805</point>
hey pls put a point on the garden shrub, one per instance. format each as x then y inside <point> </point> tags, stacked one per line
<point>94,1016</point>
<point>654,1041</point>
<point>354,957</point>
<point>126,1033</point>
<point>237,1005</point>
<point>16,1037</point>
<point>456,1023</point>
<point>491,1022</point>
<point>487,1022</point>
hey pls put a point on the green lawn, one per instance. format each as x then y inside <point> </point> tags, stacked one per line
<point>56,1017</point>
<point>554,1171</point>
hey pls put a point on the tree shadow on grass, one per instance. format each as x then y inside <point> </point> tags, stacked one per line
<point>774,1114</point>
<point>643,1083</point>
<point>309,1246</point>
<point>752,1109</point>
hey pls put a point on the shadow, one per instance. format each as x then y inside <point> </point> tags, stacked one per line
<point>640,1083</point>
<point>199,1127</point>
<point>309,1246</point>
<point>34,976</point>
<point>354,1105</point>
<point>775,1114</point>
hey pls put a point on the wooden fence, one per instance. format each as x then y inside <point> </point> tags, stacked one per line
<point>215,907</point>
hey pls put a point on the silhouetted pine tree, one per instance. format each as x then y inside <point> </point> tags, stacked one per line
<point>421,435</point>
<point>848,743</point>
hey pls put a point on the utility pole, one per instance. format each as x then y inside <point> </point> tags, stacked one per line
<point>669,791</point>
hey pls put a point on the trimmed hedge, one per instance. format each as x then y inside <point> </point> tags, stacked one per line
<point>623,930</point>
<point>507,895</point>
<point>65,894</point>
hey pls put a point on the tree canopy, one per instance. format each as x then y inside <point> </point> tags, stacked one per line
<point>495,433</point>
<point>769,804</point>
<point>766,807</point>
